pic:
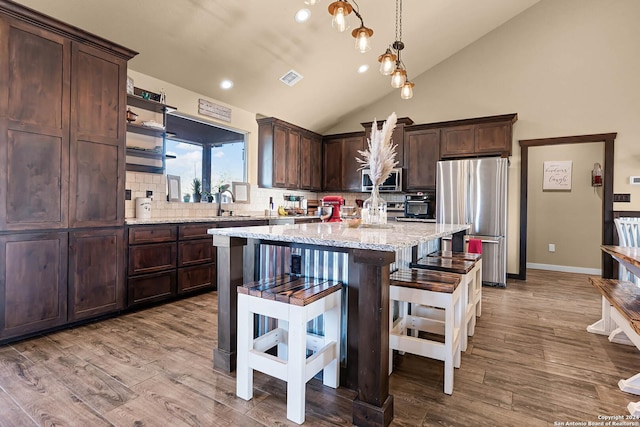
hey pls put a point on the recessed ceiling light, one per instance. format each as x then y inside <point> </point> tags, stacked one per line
<point>303,15</point>
<point>363,68</point>
<point>226,84</point>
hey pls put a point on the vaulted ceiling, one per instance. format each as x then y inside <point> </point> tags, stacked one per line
<point>197,43</point>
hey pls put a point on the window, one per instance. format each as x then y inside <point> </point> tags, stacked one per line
<point>198,149</point>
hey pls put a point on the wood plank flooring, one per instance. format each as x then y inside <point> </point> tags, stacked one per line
<point>530,363</point>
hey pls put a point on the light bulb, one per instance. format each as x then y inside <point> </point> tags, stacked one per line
<point>362,36</point>
<point>387,63</point>
<point>407,90</point>
<point>339,19</point>
<point>398,77</point>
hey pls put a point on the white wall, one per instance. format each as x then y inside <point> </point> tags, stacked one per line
<point>567,67</point>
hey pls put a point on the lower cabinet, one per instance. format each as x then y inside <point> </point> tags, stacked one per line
<point>96,272</point>
<point>33,286</point>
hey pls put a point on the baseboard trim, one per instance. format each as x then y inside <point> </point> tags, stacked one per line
<point>565,268</point>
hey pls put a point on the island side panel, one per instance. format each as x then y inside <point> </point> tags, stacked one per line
<point>374,405</point>
<point>230,275</point>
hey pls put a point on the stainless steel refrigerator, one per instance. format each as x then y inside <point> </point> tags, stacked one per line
<point>475,192</point>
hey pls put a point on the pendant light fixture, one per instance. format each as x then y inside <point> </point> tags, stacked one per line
<point>391,61</point>
<point>340,10</point>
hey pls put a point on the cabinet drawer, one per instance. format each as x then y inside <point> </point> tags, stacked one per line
<point>152,258</point>
<point>195,252</point>
<point>151,288</point>
<point>196,278</point>
<point>195,231</point>
<point>152,234</point>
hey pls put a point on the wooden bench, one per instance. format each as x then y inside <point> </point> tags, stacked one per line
<point>440,291</point>
<point>469,267</point>
<point>624,298</point>
<point>293,301</point>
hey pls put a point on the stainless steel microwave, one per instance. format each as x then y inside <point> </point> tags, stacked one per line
<point>391,184</point>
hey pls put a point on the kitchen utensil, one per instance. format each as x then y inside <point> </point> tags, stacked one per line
<point>325,212</point>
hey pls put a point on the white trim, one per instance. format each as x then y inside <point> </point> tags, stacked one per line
<point>564,268</point>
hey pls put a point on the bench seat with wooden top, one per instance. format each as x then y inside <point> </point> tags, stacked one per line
<point>293,302</point>
<point>624,299</point>
<point>471,275</point>
<point>434,289</point>
<point>477,288</point>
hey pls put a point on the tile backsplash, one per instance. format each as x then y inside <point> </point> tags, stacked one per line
<point>139,183</point>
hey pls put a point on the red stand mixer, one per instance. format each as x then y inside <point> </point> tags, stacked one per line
<point>335,202</point>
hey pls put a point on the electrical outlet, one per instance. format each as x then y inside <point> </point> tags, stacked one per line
<point>552,247</point>
<point>296,264</point>
<point>149,193</point>
<point>127,194</point>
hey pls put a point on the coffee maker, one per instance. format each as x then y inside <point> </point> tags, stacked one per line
<point>336,202</point>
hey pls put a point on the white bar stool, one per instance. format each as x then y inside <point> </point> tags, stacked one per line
<point>434,289</point>
<point>294,302</point>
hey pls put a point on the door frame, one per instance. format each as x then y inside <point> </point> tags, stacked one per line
<point>607,199</point>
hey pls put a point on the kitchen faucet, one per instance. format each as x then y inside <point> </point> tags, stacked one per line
<point>220,193</point>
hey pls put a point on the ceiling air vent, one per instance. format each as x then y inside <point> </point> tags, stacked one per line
<point>291,77</point>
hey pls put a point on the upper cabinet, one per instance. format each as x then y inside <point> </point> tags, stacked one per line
<point>288,156</point>
<point>421,152</point>
<point>397,137</point>
<point>341,169</point>
<point>477,137</point>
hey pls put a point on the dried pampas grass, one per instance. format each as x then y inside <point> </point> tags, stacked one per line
<point>380,158</point>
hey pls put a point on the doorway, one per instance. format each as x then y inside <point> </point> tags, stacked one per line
<point>607,199</point>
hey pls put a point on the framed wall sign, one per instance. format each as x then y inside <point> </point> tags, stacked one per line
<point>557,175</point>
<point>173,187</point>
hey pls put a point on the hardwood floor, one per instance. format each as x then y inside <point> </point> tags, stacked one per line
<point>530,363</point>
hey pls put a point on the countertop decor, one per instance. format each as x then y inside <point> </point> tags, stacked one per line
<point>380,159</point>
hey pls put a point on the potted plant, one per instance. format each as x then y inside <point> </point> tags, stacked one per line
<point>186,198</point>
<point>196,186</point>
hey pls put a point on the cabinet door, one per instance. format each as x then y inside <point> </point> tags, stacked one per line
<point>98,129</point>
<point>195,252</point>
<point>96,272</point>
<point>151,288</point>
<point>458,141</point>
<point>332,177</point>
<point>196,278</point>
<point>34,127</point>
<point>152,234</point>
<point>421,158</point>
<point>279,156</point>
<point>493,138</point>
<point>293,159</point>
<point>316,164</point>
<point>33,282</point>
<point>151,258</point>
<point>351,175</point>
<point>305,162</point>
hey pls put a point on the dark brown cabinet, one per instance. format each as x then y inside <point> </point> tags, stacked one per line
<point>152,262</point>
<point>97,158</point>
<point>421,148</point>
<point>96,272</point>
<point>482,136</point>
<point>341,169</point>
<point>285,156</point>
<point>310,162</point>
<point>33,283</point>
<point>34,126</point>
<point>62,129</point>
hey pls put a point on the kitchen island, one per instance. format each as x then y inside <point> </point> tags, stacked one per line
<point>362,258</point>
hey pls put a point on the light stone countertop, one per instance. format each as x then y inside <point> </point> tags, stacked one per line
<point>178,220</point>
<point>336,234</point>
